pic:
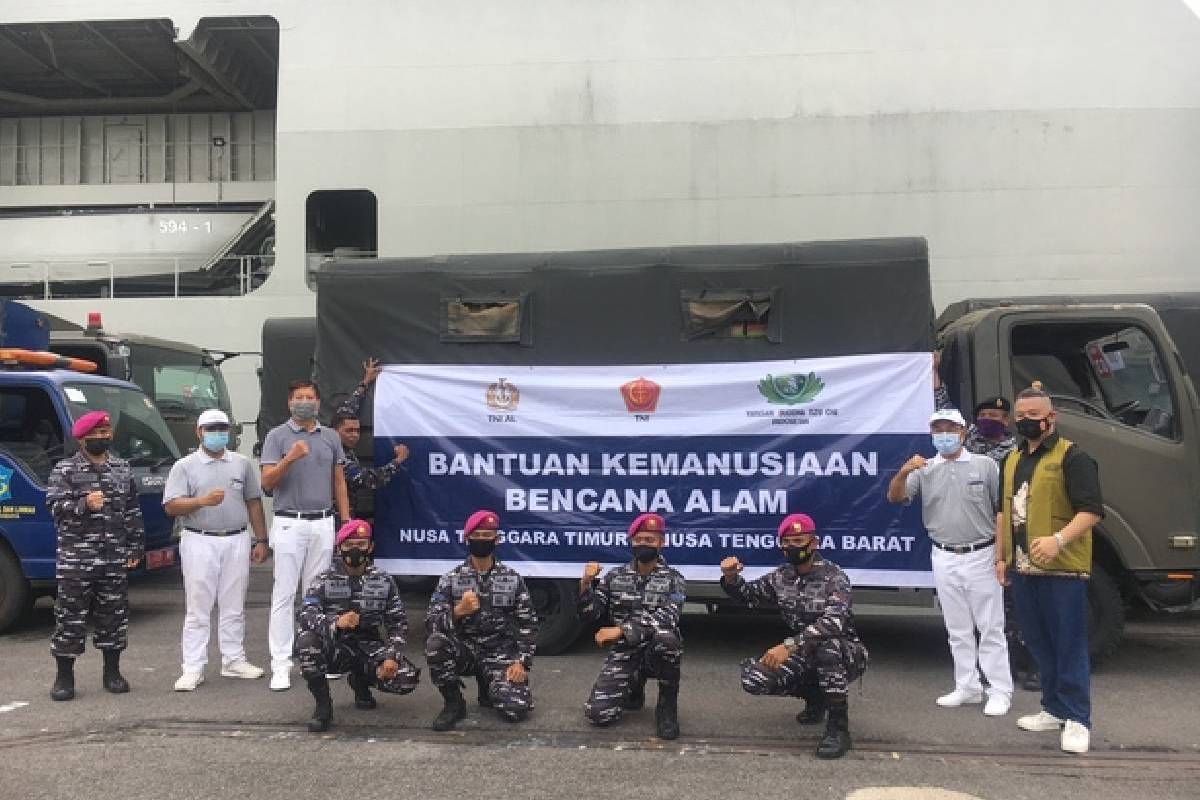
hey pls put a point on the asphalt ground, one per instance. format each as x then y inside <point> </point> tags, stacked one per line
<point>234,738</point>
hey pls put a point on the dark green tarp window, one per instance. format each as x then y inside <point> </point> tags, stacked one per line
<point>730,313</point>
<point>483,319</point>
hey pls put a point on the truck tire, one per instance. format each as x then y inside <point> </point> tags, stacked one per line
<point>16,597</point>
<point>559,624</point>
<point>1106,614</point>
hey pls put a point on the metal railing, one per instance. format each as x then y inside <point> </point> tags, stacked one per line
<point>134,276</point>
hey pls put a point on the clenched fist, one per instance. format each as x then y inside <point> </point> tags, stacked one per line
<point>388,669</point>
<point>467,606</point>
<point>516,672</point>
<point>401,451</point>
<point>730,567</point>
<point>297,451</point>
<point>607,636</point>
<point>95,501</point>
<point>773,658</point>
<point>213,498</point>
<point>347,621</point>
<point>913,464</point>
<point>591,570</point>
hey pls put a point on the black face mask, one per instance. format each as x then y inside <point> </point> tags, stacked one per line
<point>798,556</point>
<point>355,558</point>
<point>97,447</point>
<point>481,548</point>
<point>1030,428</point>
<point>645,553</point>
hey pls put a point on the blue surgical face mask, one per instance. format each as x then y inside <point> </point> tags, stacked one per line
<point>947,443</point>
<point>215,441</point>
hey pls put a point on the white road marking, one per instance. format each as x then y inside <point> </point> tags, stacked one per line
<point>13,706</point>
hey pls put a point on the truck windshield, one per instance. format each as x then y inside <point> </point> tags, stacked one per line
<point>178,380</point>
<point>139,433</point>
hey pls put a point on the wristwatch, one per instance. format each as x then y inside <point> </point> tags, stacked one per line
<point>1058,537</point>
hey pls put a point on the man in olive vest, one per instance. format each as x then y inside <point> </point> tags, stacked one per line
<point>1050,495</point>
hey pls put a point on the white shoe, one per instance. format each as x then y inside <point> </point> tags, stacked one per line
<point>1041,721</point>
<point>997,705</point>
<point>959,697</point>
<point>281,680</point>
<point>188,681</point>
<point>1075,738</point>
<point>242,669</point>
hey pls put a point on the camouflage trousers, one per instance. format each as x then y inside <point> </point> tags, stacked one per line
<point>451,656</point>
<point>98,595</point>
<point>322,652</point>
<point>660,658</point>
<point>822,667</point>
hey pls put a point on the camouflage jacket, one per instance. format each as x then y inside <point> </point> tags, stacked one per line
<point>108,537</point>
<point>373,595</point>
<point>815,605</point>
<point>505,621</point>
<point>640,605</point>
<point>358,477</point>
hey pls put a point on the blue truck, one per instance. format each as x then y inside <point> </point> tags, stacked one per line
<point>37,408</point>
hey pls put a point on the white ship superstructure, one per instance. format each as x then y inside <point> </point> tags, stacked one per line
<point>1040,147</point>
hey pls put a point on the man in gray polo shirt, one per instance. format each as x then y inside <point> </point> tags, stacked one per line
<point>216,494</point>
<point>302,468</point>
<point>959,496</point>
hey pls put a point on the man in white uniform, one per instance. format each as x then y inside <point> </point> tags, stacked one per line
<point>959,494</point>
<point>216,494</point>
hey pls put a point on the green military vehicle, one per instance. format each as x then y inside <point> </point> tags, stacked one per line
<point>1119,370</point>
<point>182,379</point>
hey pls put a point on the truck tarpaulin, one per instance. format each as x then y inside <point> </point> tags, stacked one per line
<point>569,454</point>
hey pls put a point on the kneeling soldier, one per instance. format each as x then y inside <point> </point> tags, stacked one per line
<point>640,603</point>
<point>824,653</point>
<point>481,622</point>
<point>353,621</point>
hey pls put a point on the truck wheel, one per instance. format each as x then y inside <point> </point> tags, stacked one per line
<point>1106,614</point>
<point>559,624</point>
<point>16,598</point>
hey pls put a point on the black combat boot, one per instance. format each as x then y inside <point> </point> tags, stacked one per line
<point>64,681</point>
<point>113,680</point>
<point>485,695</point>
<point>637,695</point>
<point>454,709</point>
<point>361,684</point>
<point>323,711</point>
<point>836,740</point>
<point>666,713</point>
<point>814,710</point>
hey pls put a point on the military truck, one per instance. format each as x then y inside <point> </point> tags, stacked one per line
<point>771,302</point>
<point>182,379</point>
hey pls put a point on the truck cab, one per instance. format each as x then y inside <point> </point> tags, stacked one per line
<point>1124,394</point>
<point>37,409</point>
<point>183,380</point>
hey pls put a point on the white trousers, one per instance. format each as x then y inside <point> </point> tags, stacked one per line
<point>216,570</point>
<point>303,549</point>
<point>973,600</point>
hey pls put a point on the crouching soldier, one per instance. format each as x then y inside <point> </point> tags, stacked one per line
<point>481,622</point>
<point>823,654</point>
<point>353,621</point>
<point>639,605</point>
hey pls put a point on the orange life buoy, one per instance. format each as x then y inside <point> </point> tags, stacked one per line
<point>41,358</point>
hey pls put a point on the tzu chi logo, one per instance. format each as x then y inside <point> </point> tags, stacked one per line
<point>503,396</point>
<point>641,396</point>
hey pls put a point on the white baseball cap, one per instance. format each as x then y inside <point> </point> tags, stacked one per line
<point>212,416</point>
<point>948,415</point>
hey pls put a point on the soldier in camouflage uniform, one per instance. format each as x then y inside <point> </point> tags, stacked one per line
<point>345,421</point>
<point>353,621</point>
<point>639,604</point>
<point>92,497</point>
<point>481,622</point>
<point>823,654</point>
